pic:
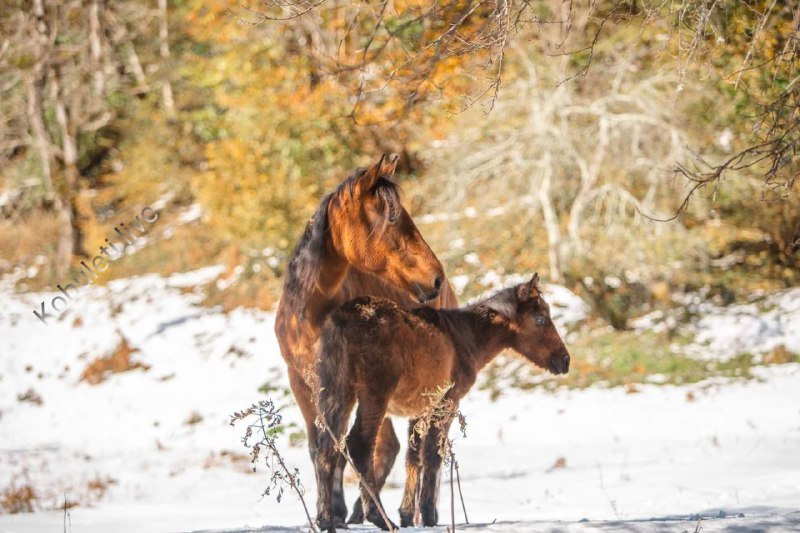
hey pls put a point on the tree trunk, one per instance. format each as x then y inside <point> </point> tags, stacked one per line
<point>41,138</point>
<point>590,172</point>
<point>550,220</point>
<point>95,48</point>
<point>163,34</point>
<point>70,242</point>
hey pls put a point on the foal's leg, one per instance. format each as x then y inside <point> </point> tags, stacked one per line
<point>305,400</point>
<point>325,462</point>
<point>431,462</point>
<point>408,505</point>
<point>361,445</point>
<point>334,404</point>
<point>386,449</point>
<point>339,505</point>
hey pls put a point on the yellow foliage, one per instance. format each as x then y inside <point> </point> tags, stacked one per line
<point>282,128</point>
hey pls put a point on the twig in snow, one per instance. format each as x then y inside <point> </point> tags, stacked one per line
<point>461,494</point>
<point>267,428</point>
<point>610,501</point>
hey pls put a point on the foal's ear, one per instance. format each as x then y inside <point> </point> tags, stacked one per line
<point>530,289</point>
<point>505,309</point>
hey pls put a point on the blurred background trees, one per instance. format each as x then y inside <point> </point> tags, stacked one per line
<point>544,135</point>
<point>68,69</point>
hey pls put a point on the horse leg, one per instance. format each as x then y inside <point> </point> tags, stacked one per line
<point>305,400</point>
<point>361,445</point>
<point>431,462</point>
<point>408,505</point>
<point>325,462</point>
<point>339,504</point>
<point>386,449</point>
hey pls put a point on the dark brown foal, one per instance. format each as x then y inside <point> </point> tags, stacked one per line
<point>373,352</point>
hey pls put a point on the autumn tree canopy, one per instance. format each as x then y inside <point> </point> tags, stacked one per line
<point>253,108</point>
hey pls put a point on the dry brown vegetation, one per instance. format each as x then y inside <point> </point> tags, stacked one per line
<point>97,487</point>
<point>24,239</point>
<point>20,498</point>
<point>193,418</point>
<point>228,459</point>
<point>248,281</point>
<point>339,82</point>
<point>30,396</point>
<point>118,361</point>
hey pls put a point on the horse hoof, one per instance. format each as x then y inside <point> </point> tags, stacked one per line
<point>391,527</point>
<point>429,519</point>
<point>327,525</point>
<point>406,519</point>
<point>358,514</point>
<point>378,520</point>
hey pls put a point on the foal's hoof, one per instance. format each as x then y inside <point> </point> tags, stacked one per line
<point>358,514</point>
<point>406,518</point>
<point>329,525</point>
<point>430,516</point>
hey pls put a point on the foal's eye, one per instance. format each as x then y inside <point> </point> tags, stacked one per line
<point>541,320</point>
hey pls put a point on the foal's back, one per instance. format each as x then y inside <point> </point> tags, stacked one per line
<point>392,349</point>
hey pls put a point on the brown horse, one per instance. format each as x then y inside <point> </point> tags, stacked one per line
<point>360,241</point>
<point>386,358</point>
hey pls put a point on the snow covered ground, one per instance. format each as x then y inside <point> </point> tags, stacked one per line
<point>152,450</point>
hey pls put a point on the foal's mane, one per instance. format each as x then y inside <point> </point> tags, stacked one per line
<point>502,301</point>
<point>306,262</point>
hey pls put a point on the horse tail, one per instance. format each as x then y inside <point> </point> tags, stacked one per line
<point>333,380</point>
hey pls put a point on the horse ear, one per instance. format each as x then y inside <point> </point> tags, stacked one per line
<point>384,168</point>
<point>530,289</point>
<point>505,308</point>
<point>533,285</point>
<point>389,165</point>
<point>368,179</point>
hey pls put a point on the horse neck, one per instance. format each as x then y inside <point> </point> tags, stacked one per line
<point>477,340</point>
<point>327,295</point>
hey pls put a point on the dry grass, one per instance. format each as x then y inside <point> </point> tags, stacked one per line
<point>30,396</point>
<point>96,488</point>
<point>193,419</point>
<point>779,356</point>
<point>18,499</point>
<point>29,236</point>
<point>24,240</point>
<point>21,497</point>
<point>239,462</point>
<point>172,249</point>
<point>119,361</point>
<point>247,282</point>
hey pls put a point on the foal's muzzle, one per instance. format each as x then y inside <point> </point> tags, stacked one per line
<point>559,363</point>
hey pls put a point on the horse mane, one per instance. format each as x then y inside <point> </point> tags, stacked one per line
<point>307,258</point>
<point>503,302</point>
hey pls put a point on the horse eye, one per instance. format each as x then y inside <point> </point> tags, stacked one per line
<point>541,320</point>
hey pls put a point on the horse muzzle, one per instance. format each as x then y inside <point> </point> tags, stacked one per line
<point>426,295</point>
<point>559,363</point>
